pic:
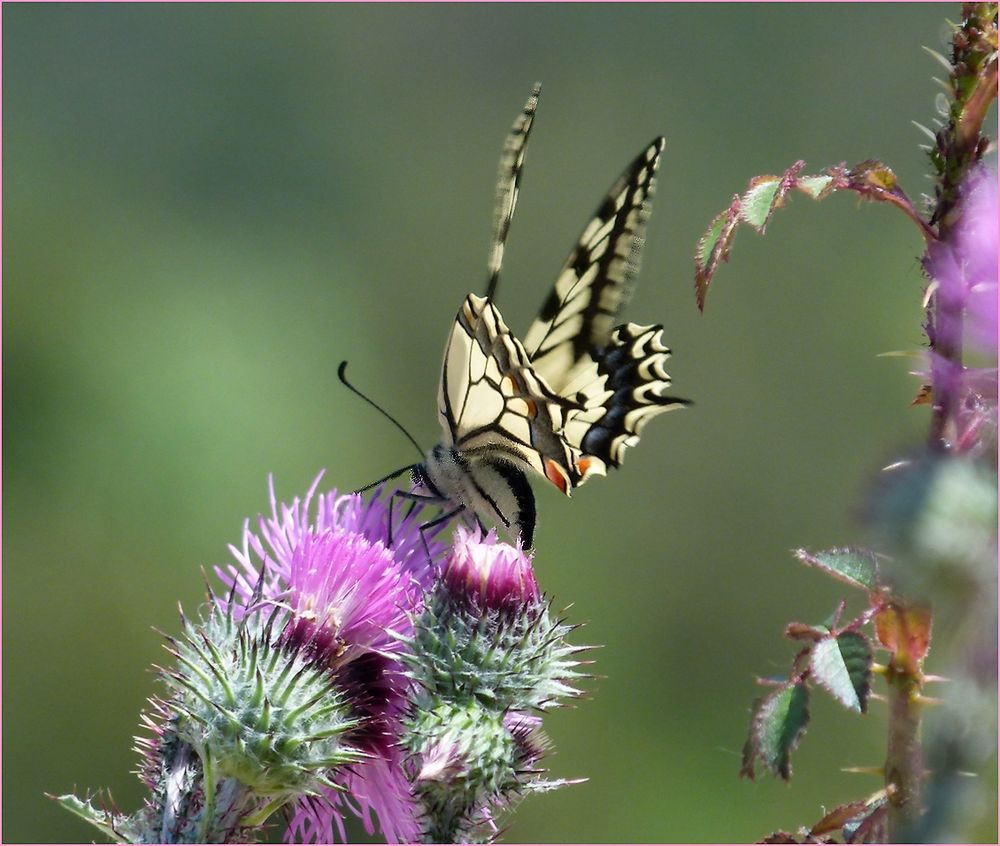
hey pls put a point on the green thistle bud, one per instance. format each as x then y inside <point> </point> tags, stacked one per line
<point>251,723</point>
<point>263,714</point>
<point>468,759</point>
<point>484,652</point>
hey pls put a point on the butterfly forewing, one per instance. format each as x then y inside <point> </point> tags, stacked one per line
<point>508,180</point>
<point>597,278</point>
<point>491,400</point>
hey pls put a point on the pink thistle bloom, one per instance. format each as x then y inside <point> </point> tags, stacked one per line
<point>327,559</point>
<point>374,790</point>
<point>283,531</point>
<point>490,573</point>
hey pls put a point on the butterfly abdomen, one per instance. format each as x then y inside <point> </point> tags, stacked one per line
<point>486,482</point>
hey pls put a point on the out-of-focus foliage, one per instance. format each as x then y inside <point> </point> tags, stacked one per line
<point>207,207</point>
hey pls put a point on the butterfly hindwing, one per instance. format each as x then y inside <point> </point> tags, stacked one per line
<point>620,390</point>
<point>597,279</point>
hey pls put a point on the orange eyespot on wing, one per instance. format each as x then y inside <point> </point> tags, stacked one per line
<point>555,474</point>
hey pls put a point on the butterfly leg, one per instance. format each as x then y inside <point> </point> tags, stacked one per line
<point>433,524</point>
<point>413,499</point>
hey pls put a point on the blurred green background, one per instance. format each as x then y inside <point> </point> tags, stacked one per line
<point>208,207</point>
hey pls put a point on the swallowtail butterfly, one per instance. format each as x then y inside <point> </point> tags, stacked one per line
<point>568,400</point>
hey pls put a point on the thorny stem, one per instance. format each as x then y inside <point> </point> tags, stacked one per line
<point>904,768</point>
<point>960,145</point>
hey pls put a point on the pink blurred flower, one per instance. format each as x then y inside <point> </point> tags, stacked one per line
<point>963,265</point>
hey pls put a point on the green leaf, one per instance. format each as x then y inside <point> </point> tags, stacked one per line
<point>778,723</point>
<point>843,665</point>
<point>706,246</point>
<point>758,203</point>
<point>856,566</point>
<point>103,820</point>
<point>817,186</point>
<point>858,654</point>
<point>713,248</point>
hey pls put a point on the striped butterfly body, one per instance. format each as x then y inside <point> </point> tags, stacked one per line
<point>568,400</point>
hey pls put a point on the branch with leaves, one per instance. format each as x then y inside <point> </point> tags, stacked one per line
<point>935,512</point>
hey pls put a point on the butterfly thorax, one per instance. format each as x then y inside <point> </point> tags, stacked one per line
<point>487,483</point>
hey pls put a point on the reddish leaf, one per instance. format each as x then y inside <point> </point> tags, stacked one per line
<point>749,753</point>
<point>839,817</point>
<point>876,181</point>
<point>786,837</point>
<point>871,829</point>
<point>925,396</point>
<point>779,837</point>
<point>802,631</point>
<point>905,630</point>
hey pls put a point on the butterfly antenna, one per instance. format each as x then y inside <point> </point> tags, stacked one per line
<point>342,375</point>
<point>391,476</point>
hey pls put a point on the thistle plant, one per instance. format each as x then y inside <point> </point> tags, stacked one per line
<point>485,654</point>
<point>931,516</point>
<point>337,673</point>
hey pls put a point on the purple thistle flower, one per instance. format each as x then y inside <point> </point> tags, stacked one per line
<point>490,573</point>
<point>327,559</point>
<point>377,789</point>
<point>281,533</point>
<point>345,593</point>
<point>532,743</point>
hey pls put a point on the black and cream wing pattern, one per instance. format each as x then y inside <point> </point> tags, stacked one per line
<point>569,400</point>
<point>615,372</point>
